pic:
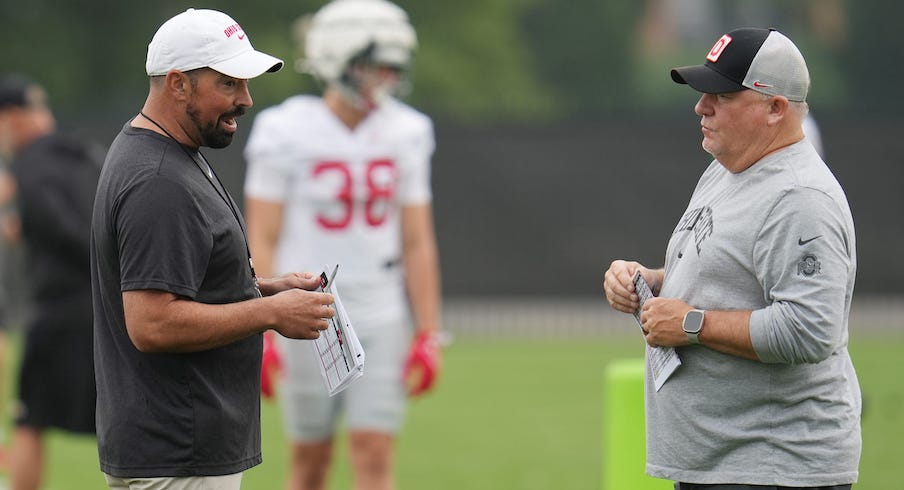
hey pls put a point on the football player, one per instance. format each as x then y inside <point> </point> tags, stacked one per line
<point>344,178</point>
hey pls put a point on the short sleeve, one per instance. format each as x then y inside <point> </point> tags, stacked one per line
<point>417,153</point>
<point>164,238</point>
<point>268,165</point>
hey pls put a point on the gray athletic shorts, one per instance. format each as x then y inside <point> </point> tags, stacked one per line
<point>225,482</point>
<point>375,401</point>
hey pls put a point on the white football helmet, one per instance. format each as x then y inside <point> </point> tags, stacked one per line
<point>347,31</point>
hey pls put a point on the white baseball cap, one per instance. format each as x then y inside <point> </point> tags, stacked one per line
<point>763,60</point>
<point>206,39</point>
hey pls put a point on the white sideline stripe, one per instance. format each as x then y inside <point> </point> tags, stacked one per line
<point>548,317</point>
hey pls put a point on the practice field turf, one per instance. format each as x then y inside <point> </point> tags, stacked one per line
<point>527,414</point>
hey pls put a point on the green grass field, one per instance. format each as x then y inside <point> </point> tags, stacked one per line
<point>527,415</point>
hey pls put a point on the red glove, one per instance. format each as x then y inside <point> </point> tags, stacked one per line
<point>271,365</point>
<point>422,365</point>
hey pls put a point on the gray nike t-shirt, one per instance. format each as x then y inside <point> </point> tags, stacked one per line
<point>777,239</point>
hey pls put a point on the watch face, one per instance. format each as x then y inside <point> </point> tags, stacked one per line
<point>693,321</point>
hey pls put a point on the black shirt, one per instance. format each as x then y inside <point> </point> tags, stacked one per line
<point>56,177</point>
<point>160,223</point>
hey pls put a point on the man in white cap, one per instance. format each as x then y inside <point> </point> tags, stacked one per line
<point>755,292</point>
<point>179,311</point>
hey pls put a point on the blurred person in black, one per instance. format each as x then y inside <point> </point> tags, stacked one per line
<point>55,176</point>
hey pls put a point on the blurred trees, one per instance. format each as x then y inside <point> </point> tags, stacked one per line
<point>479,60</point>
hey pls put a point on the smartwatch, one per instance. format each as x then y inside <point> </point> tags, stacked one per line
<point>693,324</point>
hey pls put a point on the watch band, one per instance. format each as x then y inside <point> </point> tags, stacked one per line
<point>694,338</point>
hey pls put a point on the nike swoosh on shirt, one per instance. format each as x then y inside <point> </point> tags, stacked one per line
<point>801,241</point>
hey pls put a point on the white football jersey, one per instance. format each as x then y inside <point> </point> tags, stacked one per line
<point>341,192</point>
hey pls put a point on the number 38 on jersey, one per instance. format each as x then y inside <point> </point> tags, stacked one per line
<point>352,192</point>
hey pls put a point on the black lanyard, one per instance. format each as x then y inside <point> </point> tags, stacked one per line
<point>223,195</point>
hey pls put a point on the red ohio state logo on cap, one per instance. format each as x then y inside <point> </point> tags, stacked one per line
<point>229,31</point>
<point>720,46</point>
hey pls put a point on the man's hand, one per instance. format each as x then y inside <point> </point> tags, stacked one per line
<point>300,314</point>
<point>293,280</point>
<point>618,284</point>
<point>423,363</point>
<point>662,322</point>
<point>271,366</point>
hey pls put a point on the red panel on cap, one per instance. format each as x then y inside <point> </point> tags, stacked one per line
<point>720,46</point>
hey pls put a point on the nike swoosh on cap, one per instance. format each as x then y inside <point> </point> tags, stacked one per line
<point>757,83</point>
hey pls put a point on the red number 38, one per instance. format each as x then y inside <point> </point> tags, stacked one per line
<point>379,192</point>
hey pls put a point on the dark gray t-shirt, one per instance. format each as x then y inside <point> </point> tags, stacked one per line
<point>160,223</point>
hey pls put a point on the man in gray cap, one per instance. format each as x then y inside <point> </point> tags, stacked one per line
<point>179,311</point>
<point>755,292</point>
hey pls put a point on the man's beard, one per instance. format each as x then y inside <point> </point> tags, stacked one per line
<point>211,134</point>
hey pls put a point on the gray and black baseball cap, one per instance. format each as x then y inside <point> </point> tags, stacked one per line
<point>763,60</point>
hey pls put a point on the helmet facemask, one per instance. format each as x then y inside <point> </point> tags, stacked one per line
<point>369,79</point>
